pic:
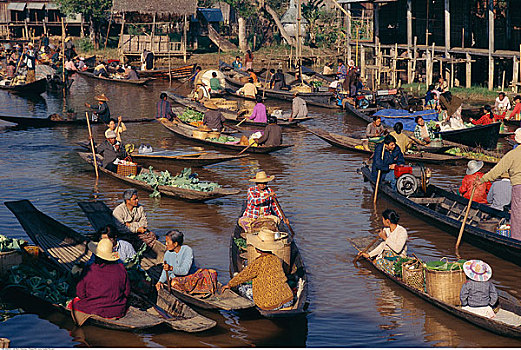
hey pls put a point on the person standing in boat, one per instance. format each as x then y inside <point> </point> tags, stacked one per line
<point>394,242</point>
<point>29,58</point>
<point>278,80</point>
<point>248,60</point>
<point>474,174</point>
<point>386,162</point>
<point>102,109</point>
<point>510,164</point>
<point>248,90</point>
<point>341,73</point>
<point>299,108</point>
<point>213,118</point>
<point>260,201</point>
<point>478,295</point>
<point>500,193</point>
<point>111,151</point>
<point>164,108</point>
<point>113,124</point>
<point>272,134</point>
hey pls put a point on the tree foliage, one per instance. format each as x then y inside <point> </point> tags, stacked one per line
<point>91,9</point>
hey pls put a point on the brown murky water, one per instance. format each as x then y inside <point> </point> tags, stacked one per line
<point>320,191</point>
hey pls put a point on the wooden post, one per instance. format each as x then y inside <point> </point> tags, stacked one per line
<point>185,29</point>
<point>362,61</point>
<point>414,54</point>
<point>515,73</point>
<point>468,71</point>
<point>451,73</point>
<point>490,44</point>
<point>108,28</point>
<point>63,53</point>
<point>428,64</point>
<point>152,39</point>
<point>26,29</point>
<point>427,26</point>
<point>348,30</point>
<point>376,9</point>
<point>44,23</point>
<point>447,28</point>
<point>82,30</point>
<point>409,41</point>
<point>394,75</point>
<point>503,81</point>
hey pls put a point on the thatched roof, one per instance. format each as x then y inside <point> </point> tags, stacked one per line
<point>173,7</point>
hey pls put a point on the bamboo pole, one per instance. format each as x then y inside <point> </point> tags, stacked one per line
<point>108,28</point>
<point>63,51</point>
<point>185,24</point>
<point>462,229</point>
<point>94,159</point>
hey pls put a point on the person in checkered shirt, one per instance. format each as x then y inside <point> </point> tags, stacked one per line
<point>260,201</point>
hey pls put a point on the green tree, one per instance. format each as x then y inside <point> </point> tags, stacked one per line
<point>311,11</point>
<point>93,11</point>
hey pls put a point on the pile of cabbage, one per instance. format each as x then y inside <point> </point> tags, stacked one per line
<point>185,180</point>
<point>189,115</point>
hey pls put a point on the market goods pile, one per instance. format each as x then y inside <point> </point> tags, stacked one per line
<point>185,180</point>
<point>190,116</point>
<point>223,139</point>
<point>456,151</point>
<point>10,244</point>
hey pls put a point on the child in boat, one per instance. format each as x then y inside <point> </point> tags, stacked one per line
<point>478,295</point>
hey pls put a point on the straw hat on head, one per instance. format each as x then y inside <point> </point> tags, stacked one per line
<point>101,97</point>
<point>210,105</point>
<point>474,166</point>
<point>351,63</point>
<point>265,240</point>
<point>517,135</point>
<point>103,250</point>
<point>477,270</point>
<point>261,177</point>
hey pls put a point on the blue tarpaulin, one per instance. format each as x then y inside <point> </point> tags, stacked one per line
<point>393,116</point>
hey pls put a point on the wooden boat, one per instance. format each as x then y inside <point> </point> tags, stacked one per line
<point>35,88</point>
<point>177,73</point>
<point>447,209</point>
<point>121,81</point>
<point>297,274</point>
<point>351,144</point>
<point>185,131</point>
<point>48,122</point>
<point>163,158</point>
<point>65,248</point>
<point>100,215</point>
<point>512,122</point>
<point>502,323</point>
<point>169,191</point>
<point>319,99</point>
<point>231,116</point>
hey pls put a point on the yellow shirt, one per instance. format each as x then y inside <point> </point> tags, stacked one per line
<point>248,90</point>
<point>403,141</point>
<point>511,163</point>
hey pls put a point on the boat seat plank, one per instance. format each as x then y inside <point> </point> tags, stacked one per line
<point>437,200</point>
<point>508,317</point>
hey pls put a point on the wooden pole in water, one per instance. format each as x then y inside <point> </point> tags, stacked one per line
<point>465,220</point>
<point>94,159</point>
<point>378,178</point>
<point>490,44</point>
<point>63,53</point>
<point>184,38</point>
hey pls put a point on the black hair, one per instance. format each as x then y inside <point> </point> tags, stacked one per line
<point>249,70</point>
<point>388,139</point>
<point>417,118</point>
<point>109,230</point>
<point>258,99</point>
<point>162,96</point>
<point>238,57</point>
<point>113,120</point>
<point>198,68</point>
<point>100,261</point>
<point>272,119</point>
<point>214,74</point>
<point>391,215</point>
<point>250,80</point>
<point>487,109</point>
<point>249,53</point>
<point>431,87</point>
<point>501,93</point>
<point>340,61</point>
<point>398,127</point>
<point>272,70</point>
<point>518,97</point>
<point>175,236</point>
<point>376,117</point>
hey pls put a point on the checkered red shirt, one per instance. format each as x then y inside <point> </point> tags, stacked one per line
<point>259,204</point>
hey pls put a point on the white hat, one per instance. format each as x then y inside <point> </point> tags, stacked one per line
<point>103,250</point>
<point>261,177</point>
<point>265,240</point>
<point>474,166</point>
<point>517,134</point>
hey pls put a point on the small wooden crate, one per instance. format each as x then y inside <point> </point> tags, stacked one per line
<point>126,170</point>
<point>8,260</point>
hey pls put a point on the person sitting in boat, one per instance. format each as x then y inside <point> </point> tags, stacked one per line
<point>213,118</point>
<point>386,162</point>
<point>260,201</point>
<point>478,295</point>
<point>164,108</point>
<point>375,129</point>
<point>112,151</point>
<point>422,132</point>
<point>124,249</point>
<point>500,193</point>
<point>394,242</point>
<point>473,173</point>
<point>502,103</point>
<point>200,94</point>
<point>402,141</point>
<point>272,134</point>
<point>299,108</point>
<point>253,76</point>
<point>328,69</point>
<point>104,287</point>
<point>429,95</point>
<point>113,124</point>
<point>237,64</point>
<point>278,80</point>
<point>248,90</point>
<point>55,58</point>
<point>269,289</point>
<point>259,114</point>
<point>102,110</point>
<point>486,119</point>
<point>131,74</point>
<point>81,64</point>
<point>510,164</point>
<point>515,113</point>
<point>101,71</point>
<point>215,84</point>
<point>452,105</point>
<point>70,66</point>
<point>195,75</point>
<point>442,85</point>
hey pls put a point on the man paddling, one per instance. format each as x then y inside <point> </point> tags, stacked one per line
<point>386,163</point>
<point>102,109</point>
<point>111,150</point>
<point>212,117</point>
<point>260,201</point>
<point>272,134</point>
<point>299,108</point>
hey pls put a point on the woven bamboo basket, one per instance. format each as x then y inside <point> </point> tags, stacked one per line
<point>126,170</point>
<point>200,134</point>
<point>445,285</point>
<point>412,274</point>
<point>214,134</point>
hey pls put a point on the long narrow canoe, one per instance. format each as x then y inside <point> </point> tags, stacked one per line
<point>47,122</point>
<point>177,73</point>
<point>297,274</point>
<point>231,116</point>
<point>355,145</point>
<point>169,191</point>
<point>121,81</point>
<point>446,209</point>
<point>66,247</point>
<point>507,321</point>
<point>319,99</point>
<point>35,88</point>
<point>185,131</point>
<point>100,215</point>
<point>164,158</point>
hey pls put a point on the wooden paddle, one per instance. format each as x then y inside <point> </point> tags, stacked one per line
<point>276,201</point>
<point>360,252</point>
<point>378,178</point>
<point>94,159</point>
<point>117,127</point>
<point>242,121</point>
<point>244,150</point>
<point>465,220</point>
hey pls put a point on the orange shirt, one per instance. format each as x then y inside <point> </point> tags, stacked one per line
<point>480,194</point>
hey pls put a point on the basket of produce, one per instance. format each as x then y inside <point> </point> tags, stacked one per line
<point>126,168</point>
<point>373,141</point>
<point>444,280</point>
<point>412,274</point>
<point>202,135</point>
<point>190,116</point>
<point>214,134</point>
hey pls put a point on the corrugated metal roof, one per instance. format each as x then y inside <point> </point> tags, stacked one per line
<point>35,5</point>
<point>16,6</point>
<point>211,15</point>
<point>51,6</point>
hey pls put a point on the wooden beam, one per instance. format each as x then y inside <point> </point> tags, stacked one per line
<point>362,61</point>
<point>490,44</point>
<point>515,73</point>
<point>348,24</point>
<point>468,72</point>
<point>447,27</point>
<point>409,23</point>
<point>376,9</point>
<point>185,29</point>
